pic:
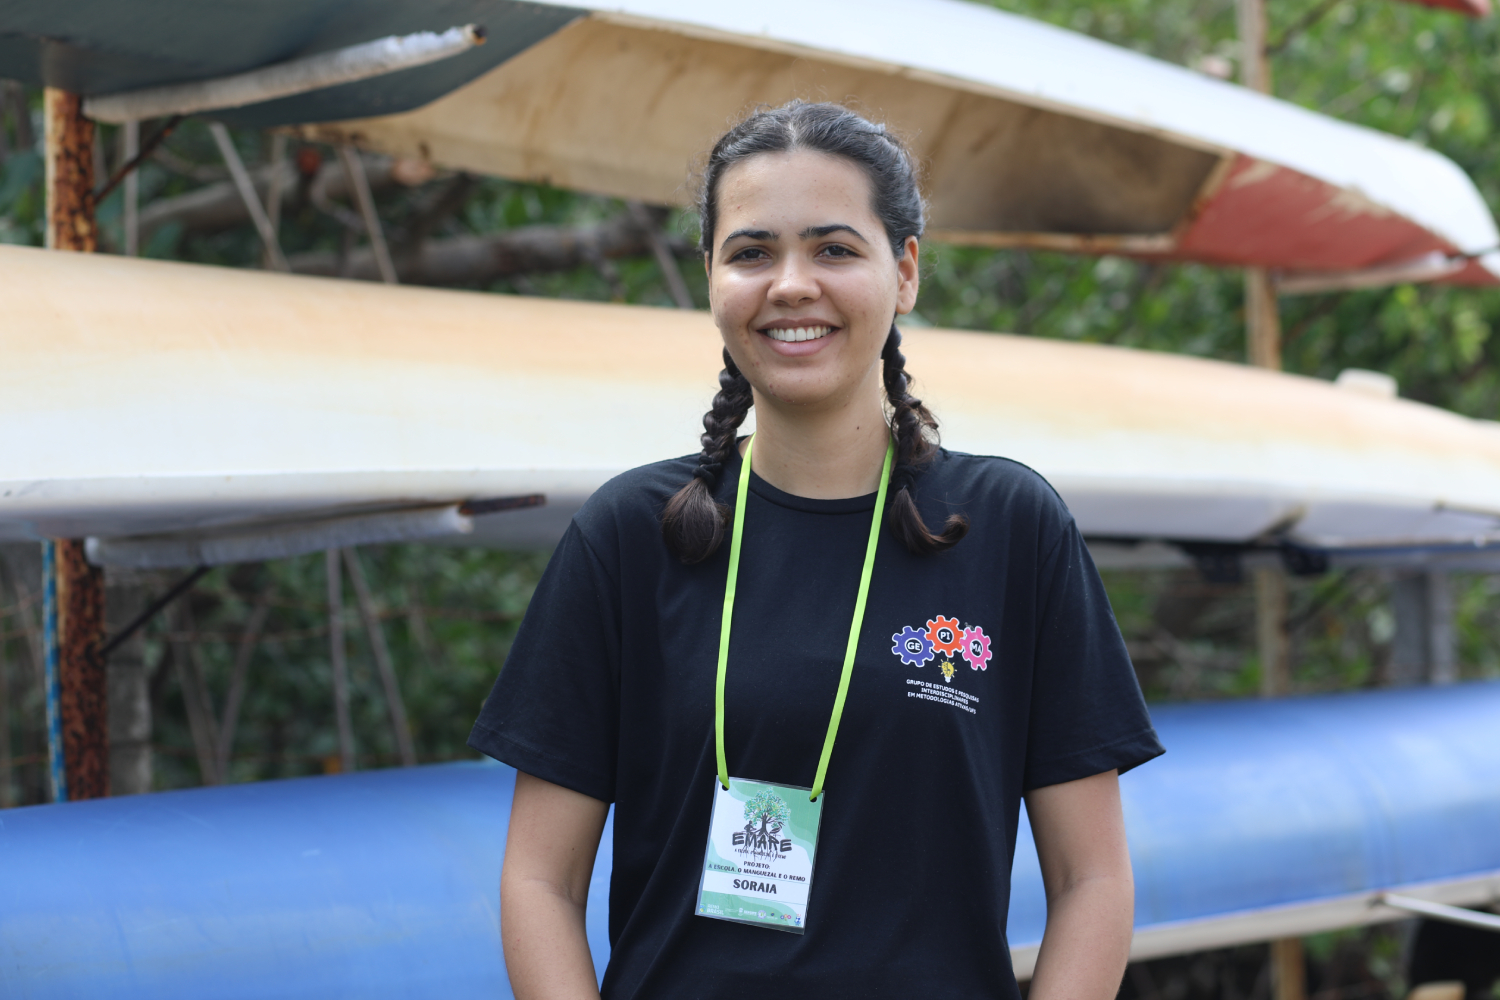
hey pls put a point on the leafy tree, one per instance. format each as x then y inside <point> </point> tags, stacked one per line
<point>767,809</point>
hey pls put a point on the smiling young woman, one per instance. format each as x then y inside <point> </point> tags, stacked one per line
<point>817,736</point>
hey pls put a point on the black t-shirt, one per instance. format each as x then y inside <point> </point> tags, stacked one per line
<point>982,672</point>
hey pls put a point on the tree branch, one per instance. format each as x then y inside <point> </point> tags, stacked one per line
<point>478,260</point>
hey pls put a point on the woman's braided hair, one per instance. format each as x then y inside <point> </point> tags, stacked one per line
<point>693,522</point>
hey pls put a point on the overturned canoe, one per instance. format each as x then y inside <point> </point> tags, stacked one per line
<point>1033,135</point>
<point>173,410</point>
<point>1265,819</point>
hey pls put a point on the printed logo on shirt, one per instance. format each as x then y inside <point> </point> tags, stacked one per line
<point>946,640</point>
<point>942,636</point>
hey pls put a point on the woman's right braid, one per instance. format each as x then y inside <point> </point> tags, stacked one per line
<point>909,418</point>
<point>730,407</point>
<point>693,522</point>
<point>910,423</point>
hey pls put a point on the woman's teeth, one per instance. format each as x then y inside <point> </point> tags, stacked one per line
<point>797,333</point>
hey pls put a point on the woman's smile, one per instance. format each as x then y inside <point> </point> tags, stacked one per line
<point>799,338</point>
<point>795,334</point>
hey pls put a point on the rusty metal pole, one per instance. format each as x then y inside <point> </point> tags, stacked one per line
<point>79,621</point>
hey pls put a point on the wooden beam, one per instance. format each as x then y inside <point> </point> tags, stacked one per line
<point>1262,320</point>
<point>1255,60</point>
<point>1270,631</point>
<point>1263,349</point>
<point>79,623</point>
<point>1288,969</point>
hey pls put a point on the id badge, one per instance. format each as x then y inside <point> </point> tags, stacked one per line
<point>757,868</point>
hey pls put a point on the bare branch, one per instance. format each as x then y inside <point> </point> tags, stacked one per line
<point>477,260</point>
<point>217,207</point>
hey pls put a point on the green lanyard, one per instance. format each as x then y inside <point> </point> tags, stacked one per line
<point>854,626</point>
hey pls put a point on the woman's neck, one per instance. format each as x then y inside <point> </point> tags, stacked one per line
<point>825,455</point>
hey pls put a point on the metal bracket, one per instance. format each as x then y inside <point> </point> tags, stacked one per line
<point>178,588</point>
<point>1439,911</point>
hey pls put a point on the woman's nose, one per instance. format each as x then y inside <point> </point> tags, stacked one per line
<point>795,281</point>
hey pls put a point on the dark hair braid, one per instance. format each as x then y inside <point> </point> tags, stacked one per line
<point>915,429</point>
<point>693,522</point>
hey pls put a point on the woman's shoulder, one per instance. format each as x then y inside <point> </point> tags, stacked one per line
<point>957,469</point>
<point>992,484</point>
<point>633,499</point>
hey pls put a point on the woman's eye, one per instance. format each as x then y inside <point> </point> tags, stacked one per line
<point>750,253</point>
<point>837,250</point>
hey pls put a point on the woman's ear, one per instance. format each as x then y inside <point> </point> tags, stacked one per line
<point>908,276</point>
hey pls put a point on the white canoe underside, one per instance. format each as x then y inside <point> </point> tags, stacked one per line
<point>149,398</point>
<point>1030,135</point>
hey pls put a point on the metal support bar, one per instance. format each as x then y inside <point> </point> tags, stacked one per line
<point>235,696</point>
<point>400,728</point>
<point>338,661</point>
<point>70,173</point>
<point>5,755</point>
<point>196,698</point>
<point>136,159</point>
<point>151,612</point>
<point>130,149</point>
<point>83,701</point>
<point>296,76</point>
<point>78,719</point>
<point>477,508</point>
<point>278,540</point>
<point>57,774</point>
<point>360,185</point>
<point>277,190</point>
<point>1440,911</point>
<point>246,188</point>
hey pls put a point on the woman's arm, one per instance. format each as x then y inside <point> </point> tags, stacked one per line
<point>549,857</point>
<point>1080,839</point>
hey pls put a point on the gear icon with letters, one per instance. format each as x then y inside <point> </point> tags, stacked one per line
<point>912,646</point>
<point>976,648</point>
<point>946,637</point>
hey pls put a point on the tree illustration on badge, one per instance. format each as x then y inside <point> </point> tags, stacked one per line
<point>765,815</point>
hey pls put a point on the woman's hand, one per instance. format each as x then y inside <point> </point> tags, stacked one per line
<point>1080,840</point>
<point>549,857</point>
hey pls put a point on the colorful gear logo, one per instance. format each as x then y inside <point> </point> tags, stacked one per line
<point>946,637</point>
<point>912,646</point>
<point>976,648</point>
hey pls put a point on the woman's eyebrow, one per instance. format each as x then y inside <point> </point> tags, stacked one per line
<point>818,232</point>
<point>754,234</point>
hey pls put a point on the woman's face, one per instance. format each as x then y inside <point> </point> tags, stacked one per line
<point>802,281</point>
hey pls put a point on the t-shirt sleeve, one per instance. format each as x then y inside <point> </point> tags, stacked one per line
<point>1087,713</point>
<point>554,710</point>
